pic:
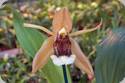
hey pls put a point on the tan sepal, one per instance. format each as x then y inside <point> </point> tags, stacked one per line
<point>43,55</point>
<point>81,61</point>
<point>62,19</point>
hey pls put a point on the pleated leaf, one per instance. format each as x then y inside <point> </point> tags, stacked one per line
<point>31,40</point>
<point>110,61</point>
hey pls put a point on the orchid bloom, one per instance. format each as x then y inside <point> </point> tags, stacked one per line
<point>60,46</point>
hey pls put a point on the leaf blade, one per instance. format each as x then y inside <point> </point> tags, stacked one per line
<point>109,64</point>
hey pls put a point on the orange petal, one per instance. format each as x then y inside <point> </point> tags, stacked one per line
<point>62,19</point>
<point>81,61</point>
<point>42,55</point>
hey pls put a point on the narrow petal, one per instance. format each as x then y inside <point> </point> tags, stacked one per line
<point>42,55</point>
<point>38,27</point>
<point>81,61</point>
<point>84,68</point>
<point>62,19</point>
<point>86,31</point>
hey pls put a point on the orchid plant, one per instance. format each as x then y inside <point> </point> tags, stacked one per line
<point>60,45</point>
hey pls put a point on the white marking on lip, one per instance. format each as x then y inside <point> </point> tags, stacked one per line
<point>122,1</point>
<point>123,81</point>
<point>2,2</point>
<point>63,60</point>
<point>1,81</point>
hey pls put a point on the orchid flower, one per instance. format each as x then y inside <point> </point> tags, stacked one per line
<point>60,46</point>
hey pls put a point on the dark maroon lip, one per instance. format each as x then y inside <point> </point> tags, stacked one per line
<point>62,46</point>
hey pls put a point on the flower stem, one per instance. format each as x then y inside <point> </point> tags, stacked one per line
<point>65,73</point>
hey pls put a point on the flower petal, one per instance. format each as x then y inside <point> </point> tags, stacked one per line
<point>81,61</point>
<point>43,54</point>
<point>84,68</point>
<point>38,27</point>
<point>77,33</point>
<point>62,19</point>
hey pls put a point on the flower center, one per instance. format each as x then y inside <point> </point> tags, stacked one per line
<point>62,49</point>
<point>62,45</point>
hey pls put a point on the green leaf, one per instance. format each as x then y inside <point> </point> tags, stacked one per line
<point>110,61</point>
<point>31,40</point>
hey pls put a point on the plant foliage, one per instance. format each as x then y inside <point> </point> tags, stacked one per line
<point>109,64</point>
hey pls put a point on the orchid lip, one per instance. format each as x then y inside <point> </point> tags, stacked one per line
<point>62,50</point>
<point>62,45</point>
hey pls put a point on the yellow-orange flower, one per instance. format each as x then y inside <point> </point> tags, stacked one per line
<point>62,26</point>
